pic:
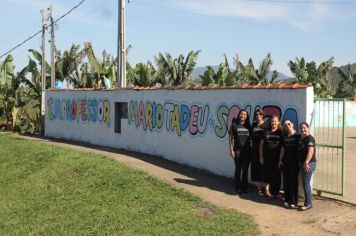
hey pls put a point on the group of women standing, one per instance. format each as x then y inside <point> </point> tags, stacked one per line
<point>272,149</point>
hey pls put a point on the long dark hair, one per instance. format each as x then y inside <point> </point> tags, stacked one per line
<point>247,122</point>
<point>258,110</point>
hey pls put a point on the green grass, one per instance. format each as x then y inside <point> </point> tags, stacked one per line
<point>48,190</point>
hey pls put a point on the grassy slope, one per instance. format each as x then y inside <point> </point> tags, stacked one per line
<point>48,190</point>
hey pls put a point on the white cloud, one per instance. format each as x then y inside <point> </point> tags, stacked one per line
<point>235,8</point>
<point>314,17</point>
<point>305,17</point>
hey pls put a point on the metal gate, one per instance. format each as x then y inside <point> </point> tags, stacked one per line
<point>329,133</point>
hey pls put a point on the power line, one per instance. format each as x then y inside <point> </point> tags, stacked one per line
<point>73,8</point>
<point>40,31</point>
<point>304,2</point>
<point>20,32</point>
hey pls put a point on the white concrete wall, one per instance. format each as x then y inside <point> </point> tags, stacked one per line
<point>350,113</point>
<point>207,149</point>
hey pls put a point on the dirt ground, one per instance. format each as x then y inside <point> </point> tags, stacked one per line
<point>350,167</point>
<point>327,217</point>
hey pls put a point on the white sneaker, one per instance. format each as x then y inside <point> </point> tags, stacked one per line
<point>304,208</point>
<point>286,204</point>
<point>293,206</point>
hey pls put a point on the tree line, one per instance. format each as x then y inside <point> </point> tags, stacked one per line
<point>20,92</point>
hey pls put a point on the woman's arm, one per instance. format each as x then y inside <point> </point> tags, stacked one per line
<point>308,158</point>
<point>232,153</point>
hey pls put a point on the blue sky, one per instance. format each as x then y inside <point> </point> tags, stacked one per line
<point>315,30</point>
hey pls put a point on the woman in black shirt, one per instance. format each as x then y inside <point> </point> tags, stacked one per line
<point>257,132</point>
<point>288,161</point>
<point>307,163</point>
<point>269,157</point>
<point>239,145</point>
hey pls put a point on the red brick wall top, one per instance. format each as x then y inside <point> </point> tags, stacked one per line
<point>198,87</point>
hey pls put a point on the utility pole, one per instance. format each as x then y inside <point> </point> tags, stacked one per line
<point>53,49</point>
<point>121,50</point>
<point>43,73</point>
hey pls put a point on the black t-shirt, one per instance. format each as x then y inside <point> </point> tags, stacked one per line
<point>272,141</point>
<point>304,144</point>
<point>257,133</point>
<point>291,144</point>
<point>241,135</point>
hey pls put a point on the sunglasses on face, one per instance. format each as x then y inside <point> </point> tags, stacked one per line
<point>287,125</point>
<point>258,114</point>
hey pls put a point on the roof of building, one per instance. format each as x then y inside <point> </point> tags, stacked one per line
<point>197,87</point>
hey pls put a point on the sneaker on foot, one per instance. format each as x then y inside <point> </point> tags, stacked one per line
<point>304,208</point>
<point>292,206</point>
<point>286,204</point>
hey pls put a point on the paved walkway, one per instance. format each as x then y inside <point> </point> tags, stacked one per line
<point>328,217</point>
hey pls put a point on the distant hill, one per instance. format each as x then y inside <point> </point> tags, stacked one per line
<point>336,77</point>
<point>200,70</point>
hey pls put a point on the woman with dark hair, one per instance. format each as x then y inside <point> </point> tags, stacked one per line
<point>270,146</point>
<point>307,163</point>
<point>239,146</point>
<point>288,161</point>
<point>257,132</point>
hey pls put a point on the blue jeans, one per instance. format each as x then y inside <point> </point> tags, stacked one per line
<point>306,177</point>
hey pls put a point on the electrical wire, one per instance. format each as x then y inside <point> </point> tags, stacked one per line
<point>20,32</point>
<point>40,31</point>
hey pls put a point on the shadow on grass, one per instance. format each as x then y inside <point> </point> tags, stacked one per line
<point>197,177</point>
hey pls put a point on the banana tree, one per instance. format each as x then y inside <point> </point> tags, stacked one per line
<point>209,77</point>
<point>85,78</point>
<point>142,75</point>
<point>6,88</point>
<point>324,87</point>
<point>7,71</point>
<point>67,65</point>
<point>348,82</point>
<point>321,78</point>
<point>101,70</point>
<point>220,77</point>
<point>261,75</point>
<point>175,71</point>
<point>318,76</point>
<point>238,74</point>
<point>299,70</point>
<point>226,75</point>
<point>36,75</point>
<point>12,95</point>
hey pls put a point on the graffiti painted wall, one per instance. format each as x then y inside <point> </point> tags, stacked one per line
<point>196,119</point>
<point>83,110</point>
<point>186,126</point>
